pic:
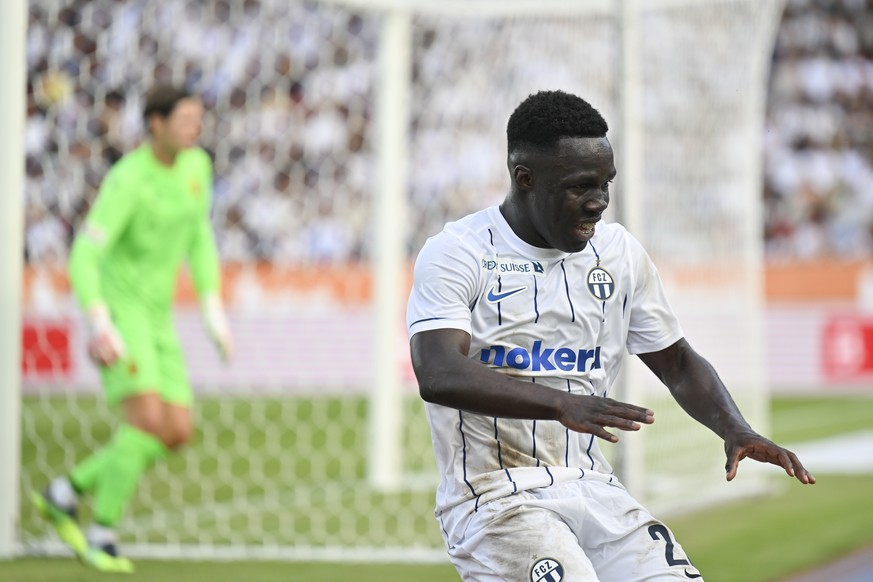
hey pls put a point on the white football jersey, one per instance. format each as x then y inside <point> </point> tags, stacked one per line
<point>559,319</point>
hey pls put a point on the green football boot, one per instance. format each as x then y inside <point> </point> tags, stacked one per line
<point>106,559</point>
<point>63,520</point>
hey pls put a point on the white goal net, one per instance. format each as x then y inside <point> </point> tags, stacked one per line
<point>281,465</point>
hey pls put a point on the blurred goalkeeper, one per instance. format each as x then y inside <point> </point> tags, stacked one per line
<point>152,213</point>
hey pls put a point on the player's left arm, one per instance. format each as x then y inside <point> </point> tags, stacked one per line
<point>697,388</point>
<point>206,273</point>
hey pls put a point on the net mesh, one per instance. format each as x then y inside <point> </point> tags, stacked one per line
<point>278,465</point>
<point>702,119</point>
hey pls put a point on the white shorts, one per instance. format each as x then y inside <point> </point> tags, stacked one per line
<point>583,531</point>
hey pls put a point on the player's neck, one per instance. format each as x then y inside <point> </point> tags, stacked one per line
<point>165,156</point>
<point>515,218</point>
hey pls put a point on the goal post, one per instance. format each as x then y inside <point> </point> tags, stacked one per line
<point>344,133</point>
<point>394,69</point>
<point>13,23</point>
<point>696,282</point>
<point>707,243</point>
<point>696,171</point>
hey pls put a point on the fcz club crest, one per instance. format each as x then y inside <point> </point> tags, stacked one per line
<point>547,570</point>
<point>600,283</point>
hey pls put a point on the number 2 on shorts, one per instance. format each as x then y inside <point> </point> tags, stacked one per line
<point>660,531</point>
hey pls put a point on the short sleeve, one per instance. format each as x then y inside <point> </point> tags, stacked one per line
<point>653,325</point>
<point>445,286</point>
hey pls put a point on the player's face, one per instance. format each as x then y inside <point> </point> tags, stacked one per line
<point>181,129</point>
<point>568,193</point>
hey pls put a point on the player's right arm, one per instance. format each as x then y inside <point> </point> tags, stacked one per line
<point>96,236</point>
<point>445,287</point>
<point>446,376</point>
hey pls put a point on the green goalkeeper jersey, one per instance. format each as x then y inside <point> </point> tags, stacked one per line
<point>147,219</point>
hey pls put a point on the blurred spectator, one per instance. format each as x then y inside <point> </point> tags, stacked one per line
<point>290,88</point>
<point>819,140</point>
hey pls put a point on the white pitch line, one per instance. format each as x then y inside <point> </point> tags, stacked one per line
<point>845,454</point>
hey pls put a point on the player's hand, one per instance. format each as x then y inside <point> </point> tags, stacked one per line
<point>592,413</point>
<point>752,445</point>
<point>215,322</point>
<point>105,345</point>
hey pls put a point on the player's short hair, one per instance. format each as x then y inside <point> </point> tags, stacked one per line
<point>547,116</point>
<point>162,99</point>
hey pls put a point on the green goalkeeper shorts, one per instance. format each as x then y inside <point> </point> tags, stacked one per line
<point>153,360</point>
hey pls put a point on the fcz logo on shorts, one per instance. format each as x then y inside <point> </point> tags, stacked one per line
<point>547,570</point>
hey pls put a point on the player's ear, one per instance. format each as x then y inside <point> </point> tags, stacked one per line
<point>522,176</point>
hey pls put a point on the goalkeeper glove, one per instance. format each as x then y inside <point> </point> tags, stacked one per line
<point>215,322</point>
<point>105,345</point>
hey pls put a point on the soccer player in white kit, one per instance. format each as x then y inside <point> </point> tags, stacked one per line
<point>519,318</point>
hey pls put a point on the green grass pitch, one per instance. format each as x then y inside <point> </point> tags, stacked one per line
<point>760,539</point>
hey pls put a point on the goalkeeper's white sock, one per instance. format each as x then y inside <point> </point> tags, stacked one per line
<point>103,537</point>
<point>62,494</point>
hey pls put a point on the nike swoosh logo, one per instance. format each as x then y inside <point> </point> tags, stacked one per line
<point>690,575</point>
<point>495,297</point>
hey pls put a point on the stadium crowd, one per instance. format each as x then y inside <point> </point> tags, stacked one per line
<point>818,188</point>
<point>291,130</point>
<point>282,126</point>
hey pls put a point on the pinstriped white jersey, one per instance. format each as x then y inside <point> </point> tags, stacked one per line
<point>563,320</point>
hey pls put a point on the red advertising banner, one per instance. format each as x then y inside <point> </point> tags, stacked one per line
<point>46,350</point>
<point>847,348</point>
